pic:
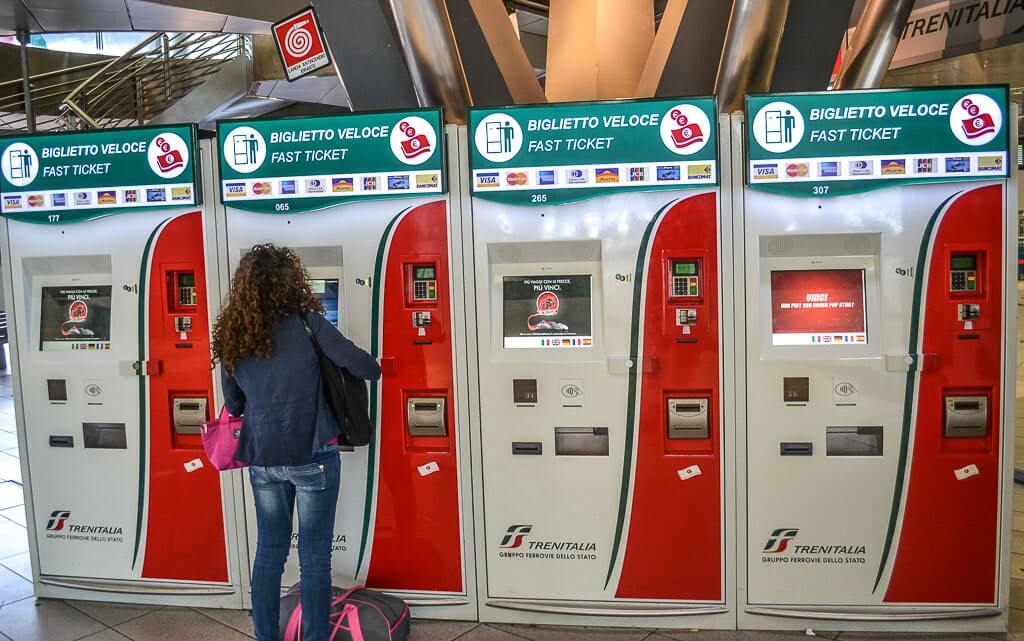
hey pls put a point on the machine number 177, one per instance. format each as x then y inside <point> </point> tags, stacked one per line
<point>54,218</point>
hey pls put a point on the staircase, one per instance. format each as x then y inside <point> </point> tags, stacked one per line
<point>129,90</point>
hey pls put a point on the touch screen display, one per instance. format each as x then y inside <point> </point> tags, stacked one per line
<point>818,307</point>
<point>326,290</point>
<point>547,312</point>
<point>75,318</point>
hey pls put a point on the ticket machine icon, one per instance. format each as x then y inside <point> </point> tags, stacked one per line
<point>21,164</point>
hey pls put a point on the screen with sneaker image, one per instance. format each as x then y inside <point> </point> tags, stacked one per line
<point>75,318</point>
<point>547,311</point>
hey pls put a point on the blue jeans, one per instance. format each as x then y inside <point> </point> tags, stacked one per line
<point>275,490</point>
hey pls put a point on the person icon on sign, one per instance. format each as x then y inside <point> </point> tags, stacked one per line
<point>788,125</point>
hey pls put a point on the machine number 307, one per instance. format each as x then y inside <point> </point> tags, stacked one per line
<point>819,190</point>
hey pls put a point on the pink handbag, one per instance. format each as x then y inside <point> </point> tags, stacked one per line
<point>220,440</point>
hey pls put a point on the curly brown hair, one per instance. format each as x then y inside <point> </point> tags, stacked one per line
<point>269,284</point>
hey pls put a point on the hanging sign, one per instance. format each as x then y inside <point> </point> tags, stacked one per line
<point>567,152</point>
<point>302,164</point>
<point>300,43</point>
<point>58,178</point>
<point>835,142</point>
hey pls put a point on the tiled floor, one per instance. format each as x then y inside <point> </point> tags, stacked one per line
<point>23,618</point>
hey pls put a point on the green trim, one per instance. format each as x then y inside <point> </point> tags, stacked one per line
<point>371,470</point>
<point>837,188</point>
<point>634,348</point>
<point>84,215</point>
<point>143,272</point>
<point>567,196</point>
<point>908,396</point>
<point>307,205</point>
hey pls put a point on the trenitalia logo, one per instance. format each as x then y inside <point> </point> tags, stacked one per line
<point>779,540</point>
<point>514,536</point>
<point>58,518</point>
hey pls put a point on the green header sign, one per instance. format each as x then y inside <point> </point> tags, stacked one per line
<point>835,142</point>
<point>302,164</point>
<point>64,177</point>
<point>567,152</point>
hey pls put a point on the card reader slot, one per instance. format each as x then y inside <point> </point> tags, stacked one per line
<point>62,441</point>
<point>800,448</point>
<point>527,448</point>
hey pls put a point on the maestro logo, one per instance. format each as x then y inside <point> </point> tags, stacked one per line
<point>20,164</point>
<point>413,140</point>
<point>245,149</point>
<point>779,540</point>
<point>975,119</point>
<point>167,155</point>
<point>778,127</point>
<point>58,519</point>
<point>685,129</point>
<point>514,536</point>
<point>498,137</point>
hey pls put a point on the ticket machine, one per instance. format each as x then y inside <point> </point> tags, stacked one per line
<point>362,200</point>
<point>105,275</point>
<point>603,426</point>
<point>877,418</point>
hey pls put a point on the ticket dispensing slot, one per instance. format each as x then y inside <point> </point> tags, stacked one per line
<point>425,416</point>
<point>966,416</point>
<point>189,413</point>
<point>105,436</point>
<point>581,441</point>
<point>688,418</point>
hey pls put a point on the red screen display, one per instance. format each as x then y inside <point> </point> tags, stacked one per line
<point>818,307</point>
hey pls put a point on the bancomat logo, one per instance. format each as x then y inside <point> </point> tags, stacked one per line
<point>779,540</point>
<point>514,536</point>
<point>58,518</point>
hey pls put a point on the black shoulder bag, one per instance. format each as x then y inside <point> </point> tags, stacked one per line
<point>345,395</point>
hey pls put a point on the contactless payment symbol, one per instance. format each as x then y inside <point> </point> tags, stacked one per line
<point>20,164</point>
<point>245,149</point>
<point>413,140</point>
<point>498,137</point>
<point>778,127</point>
<point>168,155</point>
<point>685,129</point>
<point>975,119</point>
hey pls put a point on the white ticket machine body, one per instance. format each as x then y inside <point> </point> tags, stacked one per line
<point>362,200</point>
<point>105,275</point>
<point>878,301</point>
<point>603,449</point>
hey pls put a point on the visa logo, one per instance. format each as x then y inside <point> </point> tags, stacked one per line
<point>487,180</point>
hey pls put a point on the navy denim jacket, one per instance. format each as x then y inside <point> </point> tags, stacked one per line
<point>286,417</point>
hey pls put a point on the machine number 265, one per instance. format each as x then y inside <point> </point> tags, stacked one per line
<point>538,198</point>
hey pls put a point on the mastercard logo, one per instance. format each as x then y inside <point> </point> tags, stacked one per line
<point>794,169</point>
<point>36,200</point>
<point>261,188</point>
<point>516,178</point>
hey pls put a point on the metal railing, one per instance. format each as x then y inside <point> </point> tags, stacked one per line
<point>117,92</point>
<point>148,79</point>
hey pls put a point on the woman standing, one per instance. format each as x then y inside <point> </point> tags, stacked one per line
<point>271,374</point>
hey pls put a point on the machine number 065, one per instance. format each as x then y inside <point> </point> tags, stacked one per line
<point>281,206</point>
